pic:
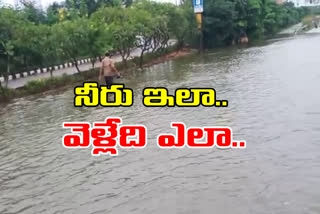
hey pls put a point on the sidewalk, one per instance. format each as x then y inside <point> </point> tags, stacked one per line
<point>20,82</point>
<point>292,30</point>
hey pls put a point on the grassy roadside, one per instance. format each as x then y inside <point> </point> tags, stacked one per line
<point>67,81</point>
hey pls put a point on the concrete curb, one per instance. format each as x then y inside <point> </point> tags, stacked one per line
<point>45,70</point>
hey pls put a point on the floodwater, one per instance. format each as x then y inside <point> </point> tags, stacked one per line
<point>274,104</point>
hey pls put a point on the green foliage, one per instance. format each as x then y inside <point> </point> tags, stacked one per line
<point>83,8</point>
<point>220,21</point>
<point>72,38</point>
<point>91,6</point>
<point>180,20</point>
<point>10,27</point>
<point>99,40</point>
<point>40,85</point>
<point>53,13</point>
<point>228,20</point>
<point>31,38</point>
<point>32,13</point>
<point>134,27</point>
<point>122,28</point>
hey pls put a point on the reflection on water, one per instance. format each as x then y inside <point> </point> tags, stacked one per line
<point>273,105</point>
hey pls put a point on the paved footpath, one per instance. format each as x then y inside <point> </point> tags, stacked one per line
<point>292,29</point>
<point>17,83</point>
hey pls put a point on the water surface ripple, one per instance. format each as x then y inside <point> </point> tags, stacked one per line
<point>273,104</point>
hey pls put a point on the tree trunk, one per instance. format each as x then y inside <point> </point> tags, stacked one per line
<point>24,60</point>
<point>51,72</point>
<point>77,67</point>
<point>141,58</point>
<point>180,43</point>
<point>124,60</point>
<point>93,61</point>
<point>6,76</point>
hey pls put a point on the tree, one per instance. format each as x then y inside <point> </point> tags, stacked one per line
<point>99,40</point>
<point>145,24</point>
<point>53,13</point>
<point>7,50</point>
<point>31,38</point>
<point>32,12</point>
<point>124,39</point>
<point>72,39</point>
<point>83,8</point>
<point>122,28</point>
<point>127,3</point>
<point>219,23</point>
<point>45,41</point>
<point>179,20</point>
<point>91,6</point>
<point>10,21</point>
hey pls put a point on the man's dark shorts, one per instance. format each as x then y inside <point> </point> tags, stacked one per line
<point>109,80</point>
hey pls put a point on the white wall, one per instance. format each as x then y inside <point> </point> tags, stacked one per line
<point>301,3</point>
<point>170,1</point>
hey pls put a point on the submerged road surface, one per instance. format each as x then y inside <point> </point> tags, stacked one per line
<point>273,104</point>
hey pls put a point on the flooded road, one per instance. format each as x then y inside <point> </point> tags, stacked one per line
<point>273,104</point>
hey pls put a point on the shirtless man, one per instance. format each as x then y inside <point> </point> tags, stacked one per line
<point>108,70</point>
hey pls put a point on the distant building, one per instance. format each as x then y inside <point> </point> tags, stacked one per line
<point>281,1</point>
<point>176,2</point>
<point>301,3</point>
